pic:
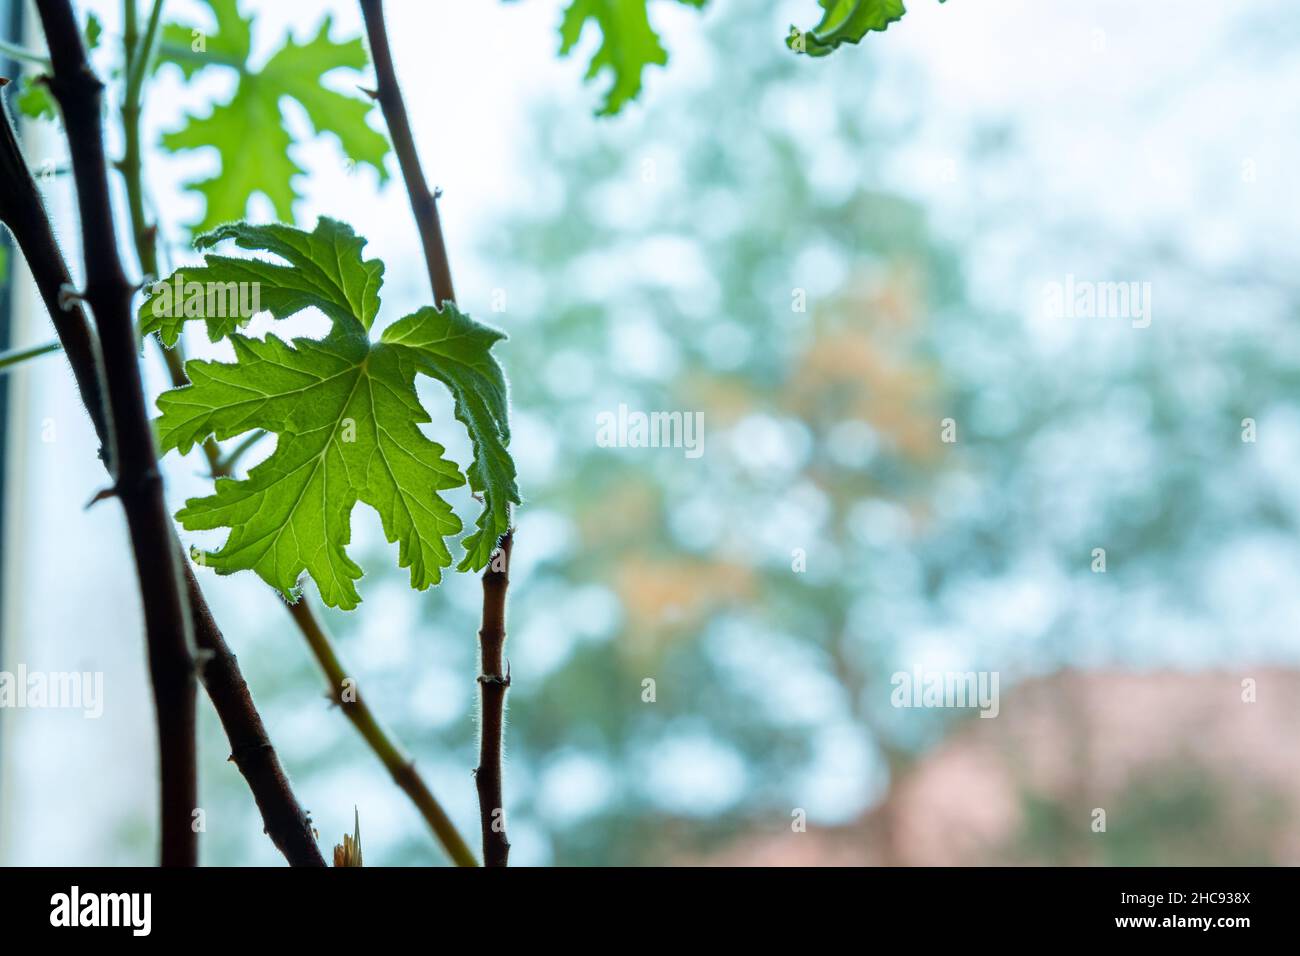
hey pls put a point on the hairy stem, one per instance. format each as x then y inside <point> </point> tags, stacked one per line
<point>343,691</point>
<point>285,821</point>
<point>137,481</point>
<point>493,684</point>
<point>424,204</point>
<point>17,356</point>
<point>138,52</point>
<point>23,212</point>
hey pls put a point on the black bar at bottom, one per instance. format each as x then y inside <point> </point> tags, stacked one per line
<point>566,904</point>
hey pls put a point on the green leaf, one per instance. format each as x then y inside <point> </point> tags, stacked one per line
<point>347,417</point>
<point>94,31</point>
<point>248,131</point>
<point>845,21</point>
<point>454,349</point>
<point>34,100</point>
<point>628,44</point>
<point>326,273</point>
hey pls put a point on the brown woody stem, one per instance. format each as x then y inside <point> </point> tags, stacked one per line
<point>137,480</point>
<point>22,210</point>
<point>343,691</point>
<point>492,683</point>
<point>424,204</point>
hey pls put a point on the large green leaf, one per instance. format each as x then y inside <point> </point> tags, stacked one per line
<point>249,131</point>
<point>347,417</point>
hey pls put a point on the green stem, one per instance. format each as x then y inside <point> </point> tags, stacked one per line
<point>16,52</point>
<point>138,52</point>
<point>343,691</point>
<point>18,356</point>
<point>141,54</point>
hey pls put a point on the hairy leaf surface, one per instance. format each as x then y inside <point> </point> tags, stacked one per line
<point>347,417</point>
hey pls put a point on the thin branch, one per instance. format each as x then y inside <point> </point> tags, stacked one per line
<point>424,204</point>
<point>492,683</point>
<point>343,691</point>
<point>138,52</point>
<point>286,822</point>
<point>137,480</point>
<point>15,52</point>
<point>22,210</point>
<point>16,357</point>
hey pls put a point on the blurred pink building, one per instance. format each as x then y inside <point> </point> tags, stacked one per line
<point>1186,767</point>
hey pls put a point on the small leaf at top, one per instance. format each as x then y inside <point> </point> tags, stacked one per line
<point>248,131</point>
<point>628,44</point>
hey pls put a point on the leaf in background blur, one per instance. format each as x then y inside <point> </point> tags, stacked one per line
<point>628,44</point>
<point>248,131</point>
<point>35,100</point>
<point>94,31</point>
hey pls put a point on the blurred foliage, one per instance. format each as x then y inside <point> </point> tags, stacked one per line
<point>735,249</point>
<point>34,98</point>
<point>705,260</point>
<point>248,131</point>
